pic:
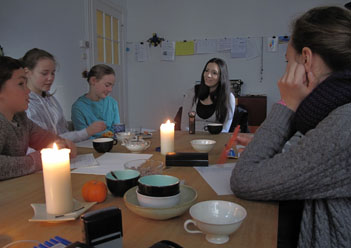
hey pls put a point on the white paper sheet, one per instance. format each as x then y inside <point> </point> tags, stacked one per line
<point>142,52</point>
<point>206,46</point>
<point>239,48</point>
<point>111,161</point>
<point>86,143</point>
<point>84,160</point>
<point>224,44</point>
<point>168,50</point>
<point>218,177</point>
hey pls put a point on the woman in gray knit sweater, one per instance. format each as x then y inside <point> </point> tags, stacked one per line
<point>17,132</point>
<point>313,174</point>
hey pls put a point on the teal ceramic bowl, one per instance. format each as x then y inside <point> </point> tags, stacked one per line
<point>158,185</point>
<point>126,179</point>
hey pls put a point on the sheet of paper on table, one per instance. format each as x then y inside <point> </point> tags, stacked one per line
<point>110,161</point>
<point>84,160</point>
<point>218,177</point>
<point>85,144</point>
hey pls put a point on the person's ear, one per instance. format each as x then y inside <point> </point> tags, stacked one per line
<point>307,58</point>
<point>26,70</point>
<point>93,80</point>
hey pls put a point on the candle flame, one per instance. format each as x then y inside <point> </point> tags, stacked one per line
<point>168,122</point>
<point>55,146</point>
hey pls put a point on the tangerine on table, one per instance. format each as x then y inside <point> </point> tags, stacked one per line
<point>94,191</point>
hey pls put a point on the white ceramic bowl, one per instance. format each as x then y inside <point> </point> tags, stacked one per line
<point>203,145</point>
<point>216,219</point>
<point>157,202</point>
<point>188,196</point>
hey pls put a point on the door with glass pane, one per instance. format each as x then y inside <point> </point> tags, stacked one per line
<point>108,45</point>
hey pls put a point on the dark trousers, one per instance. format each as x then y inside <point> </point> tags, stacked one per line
<point>290,214</point>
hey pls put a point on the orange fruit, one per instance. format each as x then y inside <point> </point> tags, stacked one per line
<point>94,191</point>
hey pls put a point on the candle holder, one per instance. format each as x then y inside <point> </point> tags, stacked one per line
<point>167,137</point>
<point>57,180</point>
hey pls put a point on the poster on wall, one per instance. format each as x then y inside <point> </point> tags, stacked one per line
<point>168,50</point>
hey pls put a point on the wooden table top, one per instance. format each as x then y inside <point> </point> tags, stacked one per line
<point>258,230</point>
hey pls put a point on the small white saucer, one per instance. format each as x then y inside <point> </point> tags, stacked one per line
<point>40,213</point>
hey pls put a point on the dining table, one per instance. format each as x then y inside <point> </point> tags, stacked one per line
<point>259,229</point>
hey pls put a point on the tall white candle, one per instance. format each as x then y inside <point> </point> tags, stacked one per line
<point>167,137</point>
<point>57,180</point>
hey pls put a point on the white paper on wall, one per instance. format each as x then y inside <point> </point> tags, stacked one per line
<point>239,48</point>
<point>206,46</point>
<point>142,52</point>
<point>168,50</point>
<point>272,44</point>
<point>224,44</point>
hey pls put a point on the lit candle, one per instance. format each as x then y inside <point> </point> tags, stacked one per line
<point>167,137</point>
<point>57,180</point>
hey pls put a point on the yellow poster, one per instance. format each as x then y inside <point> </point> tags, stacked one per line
<point>184,48</point>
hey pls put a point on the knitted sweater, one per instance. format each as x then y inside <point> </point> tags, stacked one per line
<point>15,137</point>
<point>48,114</point>
<point>317,169</point>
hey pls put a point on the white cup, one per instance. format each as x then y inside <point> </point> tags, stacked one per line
<point>216,219</point>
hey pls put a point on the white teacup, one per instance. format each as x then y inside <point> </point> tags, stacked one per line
<point>216,219</point>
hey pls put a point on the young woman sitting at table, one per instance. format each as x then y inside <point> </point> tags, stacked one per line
<point>17,132</point>
<point>97,104</point>
<point>211,99</point>
<point>44,109</point>
<point>311,171</point>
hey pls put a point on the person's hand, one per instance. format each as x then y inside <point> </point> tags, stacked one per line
<point>96,127</point>
<point>296,84</point>
<point>65,143</point>
<point>243,139</point>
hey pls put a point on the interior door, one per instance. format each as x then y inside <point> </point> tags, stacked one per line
<point>107,46</point>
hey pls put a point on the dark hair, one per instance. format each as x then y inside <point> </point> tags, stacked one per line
<point>327,32</point>
<point>220,96</point>
<point>7,66</point>
<point>98,71</point>
<point>31,58</point>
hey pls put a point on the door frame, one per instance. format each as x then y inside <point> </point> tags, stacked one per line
<point>122,95</point>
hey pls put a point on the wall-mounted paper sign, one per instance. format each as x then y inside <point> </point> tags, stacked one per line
<point>272,44</point>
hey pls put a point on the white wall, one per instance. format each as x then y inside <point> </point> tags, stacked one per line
<point>55,26</point>
<point>155,87</point>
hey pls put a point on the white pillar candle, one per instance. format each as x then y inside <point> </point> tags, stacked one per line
<point>57,180</point>
<point>167,137</point>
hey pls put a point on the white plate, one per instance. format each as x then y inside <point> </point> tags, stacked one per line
<point>188,196</point>
<point>40,213</point>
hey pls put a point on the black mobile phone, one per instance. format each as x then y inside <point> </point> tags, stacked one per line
<point>103,228</point>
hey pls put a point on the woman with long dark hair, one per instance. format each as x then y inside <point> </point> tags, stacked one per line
<point>211,99</point>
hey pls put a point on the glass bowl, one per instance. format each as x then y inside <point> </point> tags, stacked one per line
<point>145,166</point>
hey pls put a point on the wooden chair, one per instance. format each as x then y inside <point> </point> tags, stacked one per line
<point>178,119</point>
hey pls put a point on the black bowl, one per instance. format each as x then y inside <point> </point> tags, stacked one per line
<point>104,144</point>
<point>126,179</point>
<point>158,185</point>
<point>214,128</point>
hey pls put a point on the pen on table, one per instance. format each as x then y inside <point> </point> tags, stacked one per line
<point>62,240</point>
<point>223,156</point>
<point>61,215</point>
